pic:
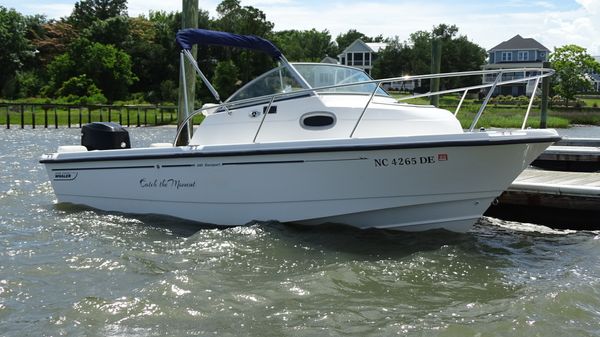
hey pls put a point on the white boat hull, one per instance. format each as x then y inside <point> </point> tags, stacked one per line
<point>405,183</point>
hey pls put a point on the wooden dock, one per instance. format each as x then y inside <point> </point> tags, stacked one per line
<point>561,199</point>
<point>571,154</point>
<point>553,198</point>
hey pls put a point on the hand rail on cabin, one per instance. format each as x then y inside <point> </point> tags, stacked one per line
<point>461,102</point>
<point>543,72</point>
<point>537,82</point>
<point>485,102</point>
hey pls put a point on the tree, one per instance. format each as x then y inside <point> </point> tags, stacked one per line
<point>306,45</point>
<point>53,40</point>
<point>571,64</point>
<point>108,67</point>
<point>114,30</point>
<point>414,56</point>
<point>15,49</point>
<point>225,78</point>
<point>86,12</point>
<point>392,61</point>
<point>245,20</point>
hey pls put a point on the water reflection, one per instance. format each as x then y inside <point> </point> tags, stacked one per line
<point>68,270</point>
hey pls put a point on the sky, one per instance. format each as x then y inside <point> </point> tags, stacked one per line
<point>553,23</point>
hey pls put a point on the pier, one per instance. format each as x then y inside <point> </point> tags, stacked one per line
<point>569,198</point>
<point>571,154</point>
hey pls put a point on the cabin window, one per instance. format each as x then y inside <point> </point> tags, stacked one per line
<point>318,120</point>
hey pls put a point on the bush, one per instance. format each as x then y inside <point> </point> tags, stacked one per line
<point>137,98</point>
<point>80,90</point>
<point>28,84</point>
<point>522,98</point>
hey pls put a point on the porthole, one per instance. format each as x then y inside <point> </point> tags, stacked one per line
<point>318,120</point>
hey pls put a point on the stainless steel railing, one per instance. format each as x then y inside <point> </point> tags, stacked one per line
<point>536,74</point>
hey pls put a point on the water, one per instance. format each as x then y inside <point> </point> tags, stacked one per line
<point>76,272</point>
<point>580,132</point>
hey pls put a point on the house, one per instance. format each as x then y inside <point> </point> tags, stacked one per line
<point>361,55</point>
<point>518,52</point>
<point>595,77</point>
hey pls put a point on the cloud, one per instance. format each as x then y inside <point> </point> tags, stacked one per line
<point>591,6</point>
<point>551,22</point>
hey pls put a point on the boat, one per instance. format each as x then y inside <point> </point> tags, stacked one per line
<point>306,143</point>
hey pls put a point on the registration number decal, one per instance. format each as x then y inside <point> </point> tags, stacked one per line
<point>410,161</point>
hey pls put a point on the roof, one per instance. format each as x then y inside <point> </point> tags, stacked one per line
<point>358,45</point>
<point>519,42</point>
<point>377,46</point>
<point>329,59</point>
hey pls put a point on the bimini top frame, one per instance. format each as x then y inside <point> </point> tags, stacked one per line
<point>186,38</point>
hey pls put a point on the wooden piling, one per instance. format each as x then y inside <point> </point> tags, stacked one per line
<point>436,61</point>
<point>189,19</point>
<point>22,108</point>
<point>544,101</point>
<point>32,116</point>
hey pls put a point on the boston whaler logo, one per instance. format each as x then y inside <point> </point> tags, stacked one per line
<point>65,175</point>
<point>166,183</point>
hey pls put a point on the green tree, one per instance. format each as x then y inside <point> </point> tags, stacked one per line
<point>114,31</point>
<point>86,12</point>
<point>108,67</point>
<point>414,56</point>
<point>392,61</point>
<point>225,78</point>
<point>571,63</point>
<point>247,20</point>
<point>155,54</point>
<point>306,45</point>
<point>15,49</point>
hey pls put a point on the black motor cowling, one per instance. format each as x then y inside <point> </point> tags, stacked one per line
<point>104,136</point>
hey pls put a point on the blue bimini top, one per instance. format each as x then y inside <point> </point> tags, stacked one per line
<point>186,38</point>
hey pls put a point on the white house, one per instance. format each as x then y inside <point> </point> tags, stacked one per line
<point>361,55</point>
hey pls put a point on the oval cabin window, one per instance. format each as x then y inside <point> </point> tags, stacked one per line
<point>318,120</point>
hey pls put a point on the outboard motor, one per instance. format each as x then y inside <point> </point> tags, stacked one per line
<point>104,136</point>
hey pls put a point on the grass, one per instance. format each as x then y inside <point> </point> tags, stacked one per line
<point>511,115</point>
<point>495,115</point>
<point>592,101</point>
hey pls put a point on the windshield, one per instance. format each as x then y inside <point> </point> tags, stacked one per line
<point>279,80</point>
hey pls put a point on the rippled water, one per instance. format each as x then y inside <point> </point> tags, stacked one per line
<point>77,272</point>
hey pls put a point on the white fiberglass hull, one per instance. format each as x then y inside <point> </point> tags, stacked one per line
<point>409,183</point>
